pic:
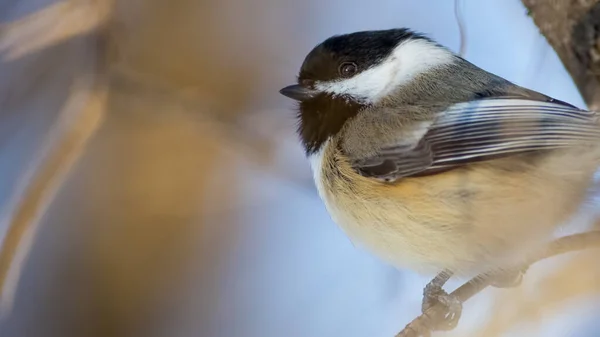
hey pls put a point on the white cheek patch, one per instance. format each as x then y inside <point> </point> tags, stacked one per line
<point>408,60</point>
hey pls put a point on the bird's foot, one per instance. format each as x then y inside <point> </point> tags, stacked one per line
<point>449,317</point>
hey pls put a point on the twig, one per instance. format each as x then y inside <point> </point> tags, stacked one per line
<point>422,324</point>
<point>461,27</point>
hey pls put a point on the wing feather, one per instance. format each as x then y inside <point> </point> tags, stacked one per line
<point>483,130</point>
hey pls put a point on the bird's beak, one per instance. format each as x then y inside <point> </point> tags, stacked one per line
<point>298,92</point>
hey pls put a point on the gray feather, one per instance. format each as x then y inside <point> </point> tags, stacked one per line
<point>482,130</point>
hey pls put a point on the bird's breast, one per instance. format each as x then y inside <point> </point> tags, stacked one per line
<point>465,219</point>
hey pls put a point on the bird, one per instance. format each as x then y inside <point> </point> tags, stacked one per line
<point>432,163</point>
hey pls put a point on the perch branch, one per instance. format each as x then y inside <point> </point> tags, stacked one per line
<point>421,326</point>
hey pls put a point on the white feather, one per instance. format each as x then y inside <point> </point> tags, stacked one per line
<point>408,60</point>
<point>316,164</point>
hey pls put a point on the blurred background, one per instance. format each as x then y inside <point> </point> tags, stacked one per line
<point>146,150</point>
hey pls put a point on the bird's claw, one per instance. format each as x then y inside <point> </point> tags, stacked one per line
<point>450,315</point>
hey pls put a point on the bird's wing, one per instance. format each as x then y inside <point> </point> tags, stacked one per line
<point>483,130</point>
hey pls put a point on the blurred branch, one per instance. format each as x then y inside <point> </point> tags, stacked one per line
<point>66,143</point>
<point>573,29</point>
<point>51,25</point>
<point>461,27</point>
<point>78,120</point>
<point>422,325</point>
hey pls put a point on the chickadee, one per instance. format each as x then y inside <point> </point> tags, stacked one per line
<point>432,163</point>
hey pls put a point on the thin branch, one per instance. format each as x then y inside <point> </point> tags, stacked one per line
<point>461,27</point>
<point>421,326</point>
<point>67,141</point>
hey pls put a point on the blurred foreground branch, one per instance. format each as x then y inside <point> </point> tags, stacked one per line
<point>67,137</point>
<point>66,144</point>
<point>573,29</point>
<point>422,325</point>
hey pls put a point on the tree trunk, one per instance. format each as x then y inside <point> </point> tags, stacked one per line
<point>573,29</point>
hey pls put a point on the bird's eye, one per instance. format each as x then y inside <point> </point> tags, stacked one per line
<point>347,69</point>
